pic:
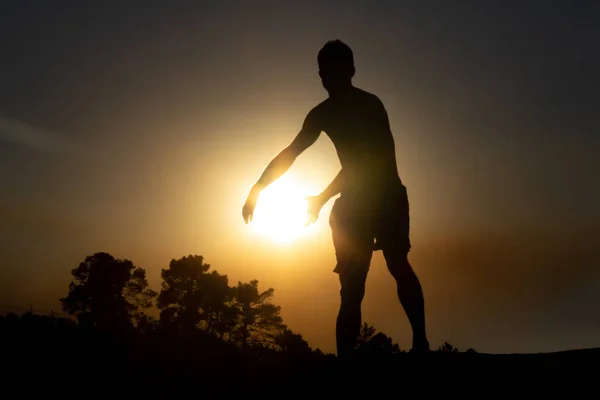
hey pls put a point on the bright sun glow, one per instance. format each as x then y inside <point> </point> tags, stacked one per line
<point>281,211</point>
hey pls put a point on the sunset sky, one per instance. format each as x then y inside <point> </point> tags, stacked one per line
<point>138,127</point>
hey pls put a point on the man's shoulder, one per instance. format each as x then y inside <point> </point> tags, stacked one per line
<point>368,96</point>
<point>322,106</point>
<point>319,111</point>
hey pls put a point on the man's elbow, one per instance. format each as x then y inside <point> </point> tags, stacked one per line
<point>288,155</point>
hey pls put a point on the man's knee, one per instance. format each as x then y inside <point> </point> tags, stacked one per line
<point>352,289</point>
<point>399,266</point>
<point>352,295</point>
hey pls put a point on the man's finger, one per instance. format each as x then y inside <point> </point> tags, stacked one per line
<point>310,220</point>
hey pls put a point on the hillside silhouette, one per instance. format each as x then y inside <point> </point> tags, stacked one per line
<point>207,330</point>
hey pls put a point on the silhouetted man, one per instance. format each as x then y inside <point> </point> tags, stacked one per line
<point>372,211</point>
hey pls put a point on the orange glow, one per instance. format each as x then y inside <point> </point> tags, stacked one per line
<point>281,211</point>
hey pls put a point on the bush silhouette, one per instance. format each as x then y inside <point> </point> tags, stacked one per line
<point>207,328</point>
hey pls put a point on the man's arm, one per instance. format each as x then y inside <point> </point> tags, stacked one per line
<point>334,188</point>
<point>311,129</point>
<point>315,203</point>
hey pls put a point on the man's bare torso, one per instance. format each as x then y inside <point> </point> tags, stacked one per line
<point>357,124</point>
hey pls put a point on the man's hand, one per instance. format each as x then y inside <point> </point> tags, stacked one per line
<point>315,203</point>
<point>248,209</point>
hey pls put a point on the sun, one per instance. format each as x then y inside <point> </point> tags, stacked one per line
<point>281,211</point>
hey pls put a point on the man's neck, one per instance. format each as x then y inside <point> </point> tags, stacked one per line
<point>342,90</point>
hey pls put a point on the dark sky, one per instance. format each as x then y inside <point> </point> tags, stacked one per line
<point>123,123</point>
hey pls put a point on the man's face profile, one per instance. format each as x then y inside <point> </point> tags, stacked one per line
<point>333,74</point>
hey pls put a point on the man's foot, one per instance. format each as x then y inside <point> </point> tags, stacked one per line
<point>420,348</point>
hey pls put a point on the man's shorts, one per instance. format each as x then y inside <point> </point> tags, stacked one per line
<point>360,227</point>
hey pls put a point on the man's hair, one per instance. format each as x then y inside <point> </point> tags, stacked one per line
<point>336,53</point>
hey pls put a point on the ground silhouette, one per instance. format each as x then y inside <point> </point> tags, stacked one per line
<point>229,338</point>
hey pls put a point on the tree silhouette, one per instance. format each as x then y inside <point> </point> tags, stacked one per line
<point>192,298</point>
<point>181,294</point>
<point>381,344</point>
<point>217,304</point>
<point>258,321</point>
<point>292,343</point>
<point>147,324</point>
<point>374,344</point>
<point>365,333</point>
<point>107,293</point>
<point>447,348</point>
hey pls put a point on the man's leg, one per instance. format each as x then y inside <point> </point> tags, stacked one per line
<point>353,246</point>
<point>394,234</point>
<point>410,295</point>
<point>352,280</point>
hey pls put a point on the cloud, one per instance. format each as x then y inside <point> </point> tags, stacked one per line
<point>23,134</point>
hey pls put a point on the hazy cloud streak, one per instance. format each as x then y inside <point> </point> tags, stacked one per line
<point>20,133</point>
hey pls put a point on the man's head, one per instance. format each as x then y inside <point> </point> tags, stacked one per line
<point>336,65</point>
